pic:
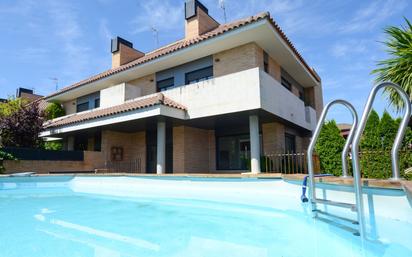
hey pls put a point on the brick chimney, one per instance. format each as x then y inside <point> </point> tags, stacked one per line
<point>123,52</point>
<point>198,20</point>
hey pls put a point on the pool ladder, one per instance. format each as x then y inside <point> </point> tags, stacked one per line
<point>353,141</point>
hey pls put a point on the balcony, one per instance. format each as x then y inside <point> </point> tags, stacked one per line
<point>242,91</point>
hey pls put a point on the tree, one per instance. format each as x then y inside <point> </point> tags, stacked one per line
<point>329,148</point>
<point>11,106</point>
<point>387,130</point>
<point>54,110</point>
<point>371,136</point>
<point>22,128</point>
<point>398,67</point>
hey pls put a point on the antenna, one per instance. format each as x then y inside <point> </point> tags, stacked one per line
<point>222,6</point>
<point>56,82</point>
<point>156,35</point>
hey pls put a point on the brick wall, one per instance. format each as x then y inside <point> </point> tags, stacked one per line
<point>199,24</point>
<point>91,161</point>
<point>125,55</point>
<point>191,150</point>
<point>133,144</point>
<point>274,138</point>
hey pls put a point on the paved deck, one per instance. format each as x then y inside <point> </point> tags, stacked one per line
<point>378,183</point>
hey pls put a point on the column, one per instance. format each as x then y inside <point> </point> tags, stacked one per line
<point>254,144</point>
<point>161,147</point>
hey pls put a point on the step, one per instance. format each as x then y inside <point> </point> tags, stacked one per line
<point>337,204</point>
<point>354,222</point>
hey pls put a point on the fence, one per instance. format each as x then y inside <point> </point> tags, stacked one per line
<point>288,163</point>
<point>133,166</point>
<point>43,155</point>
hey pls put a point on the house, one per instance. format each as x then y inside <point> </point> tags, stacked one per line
<point>215,101</point>
<point>344,129</point>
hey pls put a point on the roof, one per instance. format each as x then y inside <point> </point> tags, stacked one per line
<point>178,45</point>
<point>344,126</point>
<point>139,103</point>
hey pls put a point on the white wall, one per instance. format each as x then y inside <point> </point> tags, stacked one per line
<point>226,94</point>
<point>278,100</point>
<point>118,94</point>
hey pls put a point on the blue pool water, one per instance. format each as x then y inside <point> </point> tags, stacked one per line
<point>122,216</point>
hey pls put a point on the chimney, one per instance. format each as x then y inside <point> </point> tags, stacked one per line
<point>123,52</point>
<point>198,20</point>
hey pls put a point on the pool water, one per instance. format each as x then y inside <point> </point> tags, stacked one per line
<point>121,216</point>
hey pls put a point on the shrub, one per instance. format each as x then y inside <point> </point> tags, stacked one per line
<point>5,156</point>
<point>54,110</point>
<point>329,148</point>
<point>53,145</point>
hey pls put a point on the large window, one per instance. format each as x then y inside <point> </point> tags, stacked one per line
<point>164,84</point>
<point>88,102</point>
<point>265,62</point>
<point>199,75</point>
<point>286,83</point>
<point>290,143</point>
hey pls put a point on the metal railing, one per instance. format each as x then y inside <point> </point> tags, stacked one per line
<point>133,166</point>
<point>396,145</point>
<point>288,163</point>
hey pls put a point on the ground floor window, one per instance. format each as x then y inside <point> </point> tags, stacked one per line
<point>233,152</point>
<point>290,143</point>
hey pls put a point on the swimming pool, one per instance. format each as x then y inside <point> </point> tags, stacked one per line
<point>135,216</point>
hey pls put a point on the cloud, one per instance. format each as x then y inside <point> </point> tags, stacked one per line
<point>373,14</point>
<point>163,15</point>
<point>104,30</point>
<point>351,47</point>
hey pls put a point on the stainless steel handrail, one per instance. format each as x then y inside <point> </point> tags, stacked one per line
<point>315,137</point>
<point>396,145</point>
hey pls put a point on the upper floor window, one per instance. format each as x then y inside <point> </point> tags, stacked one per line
<point>164,84</point>
<point>88,102</point>
<point>286,83</point>
<point>265,62</point>
<point>199,75</point>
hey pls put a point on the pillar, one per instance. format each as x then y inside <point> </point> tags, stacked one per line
<point>161,147</point>
<point>254,144</point>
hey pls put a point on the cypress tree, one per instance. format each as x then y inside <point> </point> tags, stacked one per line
<point>329,148</point>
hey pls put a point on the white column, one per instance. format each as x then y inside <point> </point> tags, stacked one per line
<point>70,143</point>
<point>161,147</point>
<point>254,144</point>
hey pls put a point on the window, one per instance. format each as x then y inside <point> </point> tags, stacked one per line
<point>265,62</point>
<point>97,103</point>
<point>97,141</point>
<point>302,95</point>
<point>290,143</point>
<point>88,102</point>
<point>199,75</point>
<point>286,83</point>
<point>80,142</point>
<point>164,84</point>
<point>82,107</point>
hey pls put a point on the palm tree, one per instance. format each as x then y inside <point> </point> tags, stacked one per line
<point>398,68</point>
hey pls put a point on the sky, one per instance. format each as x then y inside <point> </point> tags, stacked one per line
<point>70,40</point>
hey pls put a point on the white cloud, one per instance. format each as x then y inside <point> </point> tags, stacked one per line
<point>351,47</point>
<point>163,15</point>
<point>104,30</point>
<point>373,14</point>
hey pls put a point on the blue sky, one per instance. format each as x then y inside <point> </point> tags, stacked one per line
<point>70,40</point>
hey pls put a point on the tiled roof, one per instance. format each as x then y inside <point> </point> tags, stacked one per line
<point>188,42</point>
<point>156,99</point>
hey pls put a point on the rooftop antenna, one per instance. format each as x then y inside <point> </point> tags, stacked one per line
<point>56,82</point>
<point>222,6</point>
<point>156,35</point>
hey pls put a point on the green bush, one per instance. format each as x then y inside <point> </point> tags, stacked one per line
<point>53,145</point>
<point>54,110</point>
<point>329,148</point>
<point>5,156</point>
